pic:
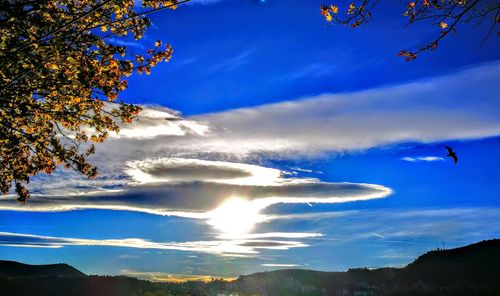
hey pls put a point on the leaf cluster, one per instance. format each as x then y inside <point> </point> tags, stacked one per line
<point>446,15</point>
<point>60,76</point>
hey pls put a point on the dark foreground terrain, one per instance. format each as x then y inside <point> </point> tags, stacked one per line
<point>470,270</point>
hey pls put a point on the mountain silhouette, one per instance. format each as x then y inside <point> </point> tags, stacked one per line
<point>479,262</point>
<point>12,269</point>
<point>469,270</point>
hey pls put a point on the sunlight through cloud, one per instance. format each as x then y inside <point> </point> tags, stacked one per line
<point>235,216</point>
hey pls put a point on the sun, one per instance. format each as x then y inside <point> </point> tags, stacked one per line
<point>235,216</point>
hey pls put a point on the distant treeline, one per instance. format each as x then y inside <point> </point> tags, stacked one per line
<point>470,270</point>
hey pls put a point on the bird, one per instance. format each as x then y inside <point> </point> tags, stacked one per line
<point>452,154</point>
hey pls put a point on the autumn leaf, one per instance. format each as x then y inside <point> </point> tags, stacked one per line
<point>54,90</point>
<point>351,8</point>
<point>425,11</point>
<point>326,13</point>
<point>409,56</point>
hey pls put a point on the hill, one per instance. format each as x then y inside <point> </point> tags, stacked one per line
<point>478,262</point>
<point>469,270</point>
<point>12,269</point>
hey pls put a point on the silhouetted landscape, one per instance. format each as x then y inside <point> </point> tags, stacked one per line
<point>469,270</point>
<point>249,147</point>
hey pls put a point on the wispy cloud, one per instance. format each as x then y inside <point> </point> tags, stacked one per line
<point>163,170</point>
<point>204,2</point>
<point>190,167</point>
<point>229,208</point>
<point>377,235</point>
<point>309,71</point>
<point>129,256</point>
<point>305,170</point>
<point>420,111</point>
<point>231,63</point>
<point>390,235</point>
<point>292,235</point>
<point>126,43</point>
<point>155,122</point>
<point>238,248</point>
<point>398,225</point>
<point>185,61</point>
<point>280,265</point>
<point>422,158</point>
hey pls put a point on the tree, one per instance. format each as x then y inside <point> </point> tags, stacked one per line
<point>446,15</point>
<point>59,77</point>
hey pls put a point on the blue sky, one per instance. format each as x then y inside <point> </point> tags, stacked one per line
<point>288,143</point>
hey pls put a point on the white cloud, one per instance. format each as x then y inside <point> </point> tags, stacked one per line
<point>126,43</point>
<point>229,208</point>
<point>204,2</point>
<point>243,247</point>
<point>377,235</point>
<point>169,165</point>
<point>231,63</point>
<point>309,71</point>
<point>423,111</point>
<point>294,235</point>
<point>398,225</point>
<point>422,158</point>
<point>171,170</point>
<point>280,265</point>
<point>228,196</point>
<point>153,122</point>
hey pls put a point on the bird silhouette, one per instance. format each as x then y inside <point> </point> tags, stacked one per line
<point>452,154</point>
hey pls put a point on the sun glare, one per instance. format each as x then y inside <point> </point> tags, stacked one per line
<point>235,216</point>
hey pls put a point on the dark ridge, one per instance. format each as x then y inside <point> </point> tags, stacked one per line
<point>12,269</point>
<point>471,270</point>
<point>479,262</point>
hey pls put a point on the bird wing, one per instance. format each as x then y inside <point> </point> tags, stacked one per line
<point>455,158</point>
<point>450,151</point>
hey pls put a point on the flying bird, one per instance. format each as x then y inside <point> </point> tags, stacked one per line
<point>452,154</point>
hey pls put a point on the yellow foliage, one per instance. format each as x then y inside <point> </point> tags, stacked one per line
<point>351,8</point>
<point>49,91</point>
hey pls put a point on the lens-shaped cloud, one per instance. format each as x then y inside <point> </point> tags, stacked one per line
<point>237,248</point>
<point>164,146</point>
<point>195,199</point>
<point>422,158</point>
<point>171,170</point>
<point>168,165</point>
<point>154,122</point>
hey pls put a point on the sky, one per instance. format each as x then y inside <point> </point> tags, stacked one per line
<point>274,140</point>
